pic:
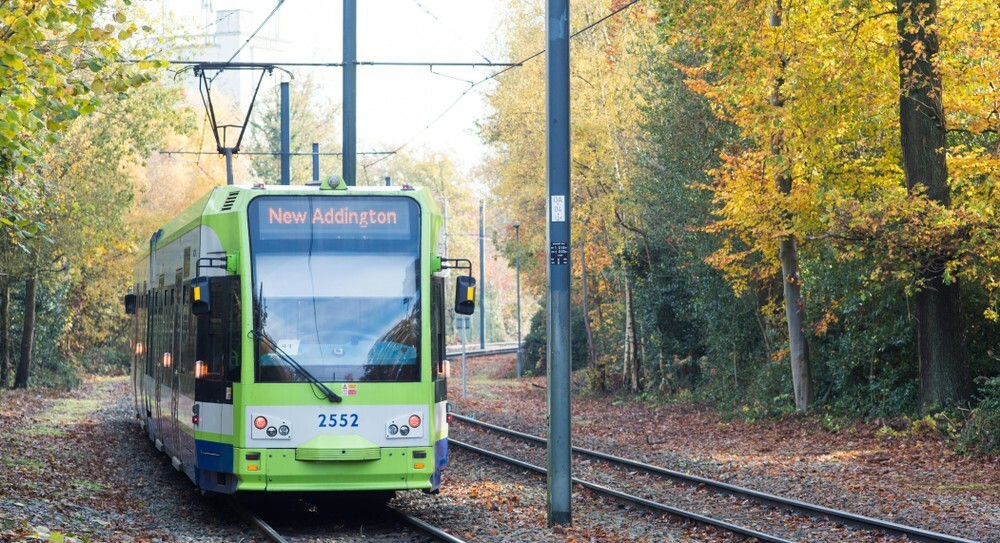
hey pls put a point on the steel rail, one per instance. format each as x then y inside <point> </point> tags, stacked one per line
<point>257,522</point>
<point>649,504</point>
<point>844,517</point>
<point>423,526</point>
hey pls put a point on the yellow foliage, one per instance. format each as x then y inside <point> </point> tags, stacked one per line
<point>814,87</point>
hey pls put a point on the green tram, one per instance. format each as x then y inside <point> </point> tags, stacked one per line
<point>292,339</point>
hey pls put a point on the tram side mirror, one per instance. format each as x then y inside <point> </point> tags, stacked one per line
<point>465,295</point>
<point>131,302</point>
<point>201,296</point>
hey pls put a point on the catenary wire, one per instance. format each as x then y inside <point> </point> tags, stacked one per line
<point>252,36</point>
<point>493,76</point>
<point>449,29</point>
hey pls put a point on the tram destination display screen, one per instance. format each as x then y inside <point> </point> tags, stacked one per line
<point>290,218</point>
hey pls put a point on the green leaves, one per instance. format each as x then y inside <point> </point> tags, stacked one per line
<point>55,63</point>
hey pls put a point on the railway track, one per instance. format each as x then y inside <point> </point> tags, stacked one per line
<point>785,505</point>
<point>262,527</point>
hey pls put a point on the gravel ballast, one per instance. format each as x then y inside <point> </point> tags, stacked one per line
<point>77,467</point>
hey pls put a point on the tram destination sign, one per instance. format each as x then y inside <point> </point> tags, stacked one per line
<point>310,217</point>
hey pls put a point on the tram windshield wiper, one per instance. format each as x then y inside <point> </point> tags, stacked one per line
<point>287,358</point>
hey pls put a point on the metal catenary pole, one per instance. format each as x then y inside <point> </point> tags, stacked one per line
<point>482,275</point>
<point>315,156</point>
<point>228,152</point>
<point>558,181</point>
<point>465,329</point>
<point>286,135</point>
<point>517,267</point>
<point>350,89</point>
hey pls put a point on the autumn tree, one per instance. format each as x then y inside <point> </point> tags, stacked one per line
<point>61,63</point>
<point>944,372</point>
<point>604,132</point>
<point>58,60</point>
<point>312,121</point>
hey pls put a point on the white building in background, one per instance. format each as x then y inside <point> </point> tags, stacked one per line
<point>227,32</point>
<point>232,30</point>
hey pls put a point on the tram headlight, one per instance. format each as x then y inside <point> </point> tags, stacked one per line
<point>283,430</point>
<point>414,421</point>
<point>404,430</point>
<point>272,431</point>
<point>260,423</point>
<point>393,429</point>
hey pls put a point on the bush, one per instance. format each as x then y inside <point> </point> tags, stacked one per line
<point>107,360</point>
<point>535,343</point>
<point>982,431</point>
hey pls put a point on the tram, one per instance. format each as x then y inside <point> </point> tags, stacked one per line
<point>293,339</point>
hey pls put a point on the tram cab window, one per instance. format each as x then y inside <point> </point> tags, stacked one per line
<point>337,292</point>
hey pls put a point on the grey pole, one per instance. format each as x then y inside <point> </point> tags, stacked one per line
<point>465,330</point>
<point>558,180</point>
<point>445,227</point>
<point>517,266</point>
<point>315,163</point>
<point>350,89</point>
<point>482,275</point>
<point>286,136</point>
<point>228,151</point>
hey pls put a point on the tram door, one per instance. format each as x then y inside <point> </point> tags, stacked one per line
<point>217,351</point>
<point>217,367</point>
<point>438,329</point>
<point>175,349</point>
<point>160,335</point>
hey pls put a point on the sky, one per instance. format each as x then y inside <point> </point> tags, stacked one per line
<point>395,105</point>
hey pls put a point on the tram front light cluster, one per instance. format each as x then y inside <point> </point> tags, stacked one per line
<point>405,426</point>
<point>267,426</point>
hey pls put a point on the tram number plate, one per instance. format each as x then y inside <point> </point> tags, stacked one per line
<point>342,420</point>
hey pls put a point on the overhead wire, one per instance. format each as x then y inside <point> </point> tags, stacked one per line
<point>472,84</point>
<point>493,76</point>
<point>573,35</point>
<point>259,28</point>
<point>220,19</point>
<point>449,29</point>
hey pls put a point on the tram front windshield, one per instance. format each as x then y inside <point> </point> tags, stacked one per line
<point>336,288</point>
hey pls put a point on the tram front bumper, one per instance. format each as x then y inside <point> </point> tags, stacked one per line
<point>278,470</point>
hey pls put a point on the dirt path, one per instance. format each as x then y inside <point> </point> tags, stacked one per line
<point>76,468</point>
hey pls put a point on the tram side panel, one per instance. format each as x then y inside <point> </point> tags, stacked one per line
<point>164,354</point>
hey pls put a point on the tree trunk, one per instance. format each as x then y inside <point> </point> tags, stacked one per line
<point>945,377</point>
<point>630,365</point>
<point>795,315</point>
<point>27,333</point>
<point>4,331</point>
<point>788,255</point>
<point>591,351</point>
